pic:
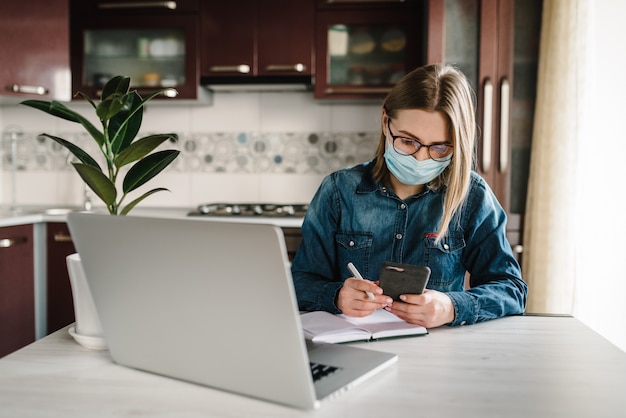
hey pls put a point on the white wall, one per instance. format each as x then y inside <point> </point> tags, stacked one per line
<point>251,113</point>
<point>601,254</point>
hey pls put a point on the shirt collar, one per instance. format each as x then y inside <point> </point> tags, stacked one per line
<point>367,184</point>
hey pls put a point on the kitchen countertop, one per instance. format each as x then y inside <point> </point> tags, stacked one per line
<point>39,214</point>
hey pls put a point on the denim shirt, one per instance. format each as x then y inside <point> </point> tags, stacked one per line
<point>353,218</point>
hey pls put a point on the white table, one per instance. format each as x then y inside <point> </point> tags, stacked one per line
<point>512,367</point>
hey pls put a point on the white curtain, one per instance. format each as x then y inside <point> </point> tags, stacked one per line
<point>549,261</point>
<point>601,221</point>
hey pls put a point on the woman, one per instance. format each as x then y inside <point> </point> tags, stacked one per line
<point>417,202</point>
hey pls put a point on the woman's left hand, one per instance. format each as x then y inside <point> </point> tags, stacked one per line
<point>430,309</point>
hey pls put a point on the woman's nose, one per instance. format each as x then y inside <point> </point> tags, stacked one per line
<point>422,154</point>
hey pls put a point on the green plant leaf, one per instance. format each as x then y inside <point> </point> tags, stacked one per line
<point>153,95</point>
<point>128,127</point>
<point>77,151</point>
<point>134,203</point>
<point>59,110</point>
<point>117,85</point>
<point>89,99</point>
<point>110,107</point>
<point>98,182</point>
<point>53,108</point>
<point>141,148</point>
<point>124,126</point>
<point>147,168</point>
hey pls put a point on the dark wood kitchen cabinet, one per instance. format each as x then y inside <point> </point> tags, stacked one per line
<point>17,288</point>
<point>153,43</point>
<point>257,41</point>
<point>364,47</point>
<point>60,306</point>
<point>496,44</point>
<point>34,37</point>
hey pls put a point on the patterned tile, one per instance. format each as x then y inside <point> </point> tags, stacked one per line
<point>215,152</point>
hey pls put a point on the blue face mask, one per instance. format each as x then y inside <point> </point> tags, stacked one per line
<point>408,170</point>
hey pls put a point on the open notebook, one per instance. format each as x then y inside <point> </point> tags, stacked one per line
<point>210,302</point>
<point>320,326</point>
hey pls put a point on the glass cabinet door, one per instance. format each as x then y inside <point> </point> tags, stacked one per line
<point>463,37</point>
<point>156,52</point>
<point>150,57</point>
<point>366,55</point>
<point>363,54</point>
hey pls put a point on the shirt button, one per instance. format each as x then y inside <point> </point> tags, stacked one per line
<point>463,323</point>
<point>384,189</point>
<point>403,206</point>
<point>351,243</point>
<point>446,247</point>
<point>398,236</point>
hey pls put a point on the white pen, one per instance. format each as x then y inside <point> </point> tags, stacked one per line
<point>356,274</point>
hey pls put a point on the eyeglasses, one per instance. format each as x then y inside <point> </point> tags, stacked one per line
<point>408,146</point>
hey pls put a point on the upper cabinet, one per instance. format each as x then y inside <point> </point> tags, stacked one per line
<point>153,43</point>
<point>255,41</point>
<point>34,36</point>
<point>364,47</point>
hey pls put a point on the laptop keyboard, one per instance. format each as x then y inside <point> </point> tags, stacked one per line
<point>320,371</point>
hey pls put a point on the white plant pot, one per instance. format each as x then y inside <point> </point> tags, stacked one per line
<point>87,330</point>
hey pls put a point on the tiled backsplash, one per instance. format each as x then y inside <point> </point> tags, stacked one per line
<point>250,155</point>
<point>243,152</point>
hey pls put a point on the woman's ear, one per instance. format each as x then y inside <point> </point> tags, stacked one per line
<point>383,120</point>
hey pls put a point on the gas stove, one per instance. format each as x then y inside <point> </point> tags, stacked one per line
<point>250,209</point>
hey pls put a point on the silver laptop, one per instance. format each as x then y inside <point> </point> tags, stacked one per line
<point>209,302</point>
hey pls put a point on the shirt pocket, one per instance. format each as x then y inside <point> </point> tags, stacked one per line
<point>444,260</point>
<point>355,247</point>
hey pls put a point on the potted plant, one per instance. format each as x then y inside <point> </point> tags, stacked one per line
<point>120,112</point>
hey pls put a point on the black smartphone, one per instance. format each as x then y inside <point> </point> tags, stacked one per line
<point>400,279</point>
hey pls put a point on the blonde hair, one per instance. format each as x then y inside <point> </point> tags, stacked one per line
<point>438,88</point>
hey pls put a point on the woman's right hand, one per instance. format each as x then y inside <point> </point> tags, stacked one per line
<point>353,301</point>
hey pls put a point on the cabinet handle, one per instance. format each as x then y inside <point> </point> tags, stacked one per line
<point>170,92</point>
<point>356,90</point>
<point>171,5</point>
<point>61,237</point>
<point>294,67</point>
<point>505,91</point>
<point>17,88</point>
<point>487,120</point>
<point>243,69</point>
<point>12,242</point>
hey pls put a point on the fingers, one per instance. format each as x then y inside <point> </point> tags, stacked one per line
<point>422,299</point>
<point>354,301</point>
<point>363,285</point>
<point>429,309</point>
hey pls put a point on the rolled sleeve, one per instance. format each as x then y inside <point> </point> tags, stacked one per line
<point>466,308</point>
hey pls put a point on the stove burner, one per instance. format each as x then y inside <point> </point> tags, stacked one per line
<point>250,209</point>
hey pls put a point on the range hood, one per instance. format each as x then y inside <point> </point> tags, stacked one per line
<point>258,84</point>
